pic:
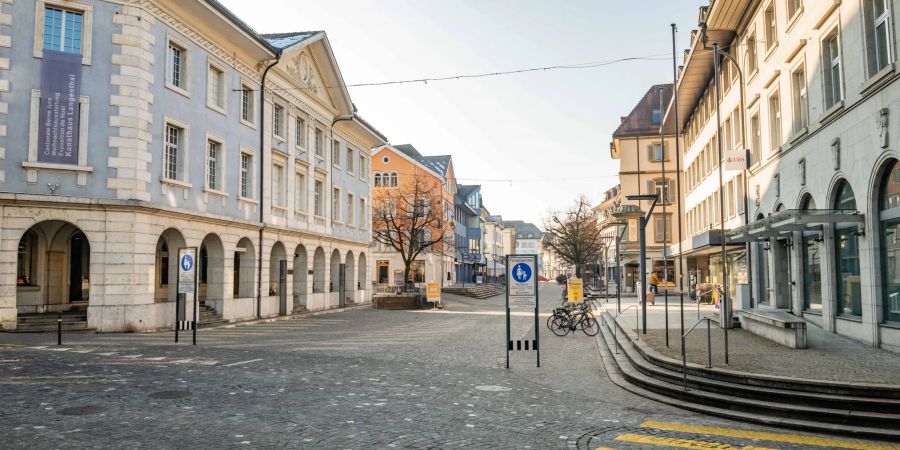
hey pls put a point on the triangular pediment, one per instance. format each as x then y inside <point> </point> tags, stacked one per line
<point>310,64</point>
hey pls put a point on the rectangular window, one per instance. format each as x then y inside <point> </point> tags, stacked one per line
<point>800,99</point>
<point>177,61</point>
<point>877,26</point>
<point>729,139</point>
<point>278,185</point>
<point>656,152</point>
<point>775,140</point>
<point>351,160</point>
<point>351,220</point>
<point>247,104</point>
<point>300,192</point>
<point>300,132</point>
<point>216,87</point>
<point>755,139</point>
<point>662,228</point>
<point>739,187</point>
<point>752,58</point>
<point>657,116</point>
<point>832,68</point>
<point>363,222</point>
<point>336,205</point>
<point>793,8</point>
<point>62,30</point>
<point>213,165</point>
<point>278,121</point>
<point>729,201</point>
<point>172,160</point>
<point>363,167</point>
<point>319,193</point>
<point>246,173</point>
<point>771,28</point>
<point>336,153</point>
<point>737,121</point>
<point>320,144</point>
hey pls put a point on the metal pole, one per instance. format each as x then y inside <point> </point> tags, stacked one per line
<point>537,303</point>
<point>59,328</point>
<point>508,343</point>
<point>708,345</point>
<point>643,255</point>
<point>678,179</point>
<point>662,147</point>
<point>177,303</point>
<point>618,277</point>
<point>726,316</point>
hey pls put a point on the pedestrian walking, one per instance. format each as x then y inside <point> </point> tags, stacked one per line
<point>653,283</point>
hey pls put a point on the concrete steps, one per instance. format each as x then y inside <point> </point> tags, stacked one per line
<point>207,317</point>
<point>479,291</point>
<point>865,411</point>
<point>74,320</point>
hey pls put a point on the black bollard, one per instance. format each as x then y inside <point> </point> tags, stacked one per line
<point>59,329</point>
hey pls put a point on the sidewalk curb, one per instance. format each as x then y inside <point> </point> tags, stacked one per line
<point>294,316</point>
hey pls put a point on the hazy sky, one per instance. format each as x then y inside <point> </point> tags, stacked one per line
<point>547,131</point>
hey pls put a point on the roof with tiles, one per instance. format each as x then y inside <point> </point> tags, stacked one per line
<point>439,164</point>
<point>640,120</point>
<point>285,40</point>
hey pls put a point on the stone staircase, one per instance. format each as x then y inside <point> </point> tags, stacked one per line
<point>479,291</point>
<point>72,320</point>
<point>208,317</point>
<point>858,409</point>
<point>299,309</point>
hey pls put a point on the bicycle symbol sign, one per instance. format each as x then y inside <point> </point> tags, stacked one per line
<point>187,263</point>
<point>521,272</point>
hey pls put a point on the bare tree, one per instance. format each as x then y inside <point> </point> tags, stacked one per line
<point>575,235</point>
<point>410,219</point>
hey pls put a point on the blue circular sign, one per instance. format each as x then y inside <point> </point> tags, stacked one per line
<point>521,272</point>
<point>187,263</point>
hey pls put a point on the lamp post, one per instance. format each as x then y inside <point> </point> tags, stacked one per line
<point>643,220</point>
<point>618,239</point>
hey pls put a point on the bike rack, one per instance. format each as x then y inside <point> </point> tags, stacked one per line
<point>708,348</point>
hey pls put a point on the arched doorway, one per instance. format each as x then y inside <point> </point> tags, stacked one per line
<point>781,262</point>
<point>243,273</point>
<point>53,263</point>
<point>211,271</point>
<point>811,249</point>
<point>278,278</point>
<point>300,278</point>
<point>762,269</point>
<point>350,278</point>
<point>166,276</point>
<point>334,282</point>
<point>889,221</point>
<point>319,271</point>
<point>362,276</point>
<point>846,243</point>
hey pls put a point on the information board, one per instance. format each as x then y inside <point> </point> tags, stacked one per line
<point>187,265</point>
<point>521,284</point>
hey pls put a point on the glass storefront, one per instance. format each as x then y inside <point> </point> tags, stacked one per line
<point>736,265</point>
<point>849,289</point>
<point>812,265</point>
<point>890,242</point>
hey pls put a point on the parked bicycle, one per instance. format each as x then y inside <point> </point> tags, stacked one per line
<point>569,318</point>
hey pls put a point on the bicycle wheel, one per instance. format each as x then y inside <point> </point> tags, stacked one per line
<point>559,326</point>
<point>550,321</point>
<point>590,326</point>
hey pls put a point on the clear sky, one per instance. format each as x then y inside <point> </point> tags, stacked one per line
<point>547,131</point>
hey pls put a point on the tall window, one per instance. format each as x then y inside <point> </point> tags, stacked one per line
<point>62,30</point>
<point>832,66</point>
<point>800,99</point>
<point>177,66</point>
<point>247,104</point>
<point>300,132</point>
<point>246,168</point>
<point>793,7</point>
<point>377,179</point>
<point>278,185</point>
<point>320,143</point>
<point>752,58</point>
<point>363,167</point>
<point>755,139</point>
<point>216,87</point>
<point>812,264</point>
<point>877,26</point>
<point>351,220</point>
<point>319,193</point>
<point>213,165</point>
<point>336,204</point>
<point>393,179</point>
<point>849,286</point>
<point>300,192</point>
<point>363,213</point>
<point>351,160</point>
<point>336,153</point>
<point>771,27</point>
<point>656,153</point>
<point>662,228</point>
<point>26,263</point>
<point>889,217</point>
<point>729,138</point>
<point>172,160</point>
<point>661,187</point>
<point>278,120</point>
<point>775,140</point>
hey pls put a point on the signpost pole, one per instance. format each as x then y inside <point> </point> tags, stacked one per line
<point>537,328</point>
<point>507,343</point>
<point>177,308</point>
<point>194,325</point>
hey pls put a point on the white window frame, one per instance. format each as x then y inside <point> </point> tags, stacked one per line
<point>279,121</point>
<point>363,166</point>
<point>885,19</point>
<point>336,204</point>
<point>799,100</point>
<point>251,180</point>
<point>776,140</point>
<point>279,184</point>
<point>770,28</point>
<point>795,14</point>
<point>830,63</point>
<point>351,160</point>
<point>300,127</point>
<point>301,189</point>
<point>363,213</point>
<point>319,197</point>
<point>319,143</point>
<point>87,20</point>
<point>183,151</point>
<point>219,189</point>
<point>351,213</point>
<point>336,152</point>
<point>185,73</point>
<point>221,106</point>
<point>249,91</point>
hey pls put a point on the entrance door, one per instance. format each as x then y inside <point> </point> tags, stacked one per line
<point>342,284</point>
<point>79,268</point>
<point>783,278</point>
<point>282,288</point>
<point>384,271</point>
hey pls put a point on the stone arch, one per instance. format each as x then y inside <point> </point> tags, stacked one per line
<point>52,268</point>
<point>211,268</point>
<point>244,273</point>
<point>362,272</point>
<point>301,273</point>
<point>165,280</point>
<point>805,199</point>
<point>884,220</point>
<point>319,270</point>
<point>350,276</point>
<point>275,256</point>
<point>334,280</point>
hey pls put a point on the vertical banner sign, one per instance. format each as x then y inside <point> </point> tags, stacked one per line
<point>735,159</point>
<point>522,294</point>
<point>575,290</point>
<point>60,107</point>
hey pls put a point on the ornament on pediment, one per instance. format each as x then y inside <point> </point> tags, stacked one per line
<point>301,68</point>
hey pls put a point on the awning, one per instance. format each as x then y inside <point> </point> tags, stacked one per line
<point>792,220</point>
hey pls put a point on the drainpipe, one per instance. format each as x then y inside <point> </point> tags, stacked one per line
<point>262,140</point>
<point>331,178</point>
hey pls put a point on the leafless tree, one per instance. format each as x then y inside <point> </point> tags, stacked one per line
<point>575,235</point>
<point>410,219</point>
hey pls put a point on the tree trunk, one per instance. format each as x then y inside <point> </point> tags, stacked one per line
<point>577,271</point>
<point>407,282</point>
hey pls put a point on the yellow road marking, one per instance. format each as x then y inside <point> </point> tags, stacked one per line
<point>12,345</point>
<point>766,436</point>
<point>679,443</point>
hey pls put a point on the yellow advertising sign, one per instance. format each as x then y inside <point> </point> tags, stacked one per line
<point>576,290</point>
<point>433,292</point>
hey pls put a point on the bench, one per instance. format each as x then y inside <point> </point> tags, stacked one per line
<point>776,325</point>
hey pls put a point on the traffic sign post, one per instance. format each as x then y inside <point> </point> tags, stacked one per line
<point>522,294</point>
<point>187,284</point>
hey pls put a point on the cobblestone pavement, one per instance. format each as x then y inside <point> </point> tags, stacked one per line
<point>358,379</point>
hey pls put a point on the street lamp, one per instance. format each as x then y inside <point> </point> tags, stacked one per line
<point>643,220</point>
<point>624,226</point>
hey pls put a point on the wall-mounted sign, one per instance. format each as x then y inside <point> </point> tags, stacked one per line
<point>60,107</point>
